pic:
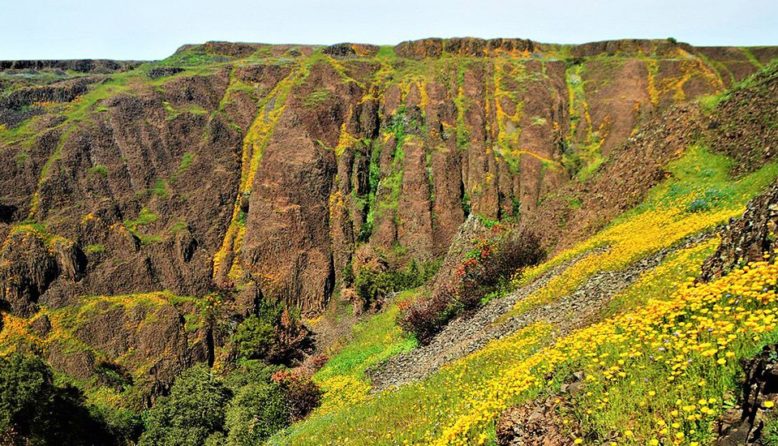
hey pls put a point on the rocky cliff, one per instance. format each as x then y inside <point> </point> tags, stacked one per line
<point>247,171</point>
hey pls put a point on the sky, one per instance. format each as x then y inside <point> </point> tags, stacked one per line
<point>153,29</point>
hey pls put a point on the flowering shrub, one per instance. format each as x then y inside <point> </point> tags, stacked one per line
<point>302,394</point>
<point>493,260</point>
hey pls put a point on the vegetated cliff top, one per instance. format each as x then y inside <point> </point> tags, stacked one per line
<point>427,47</point>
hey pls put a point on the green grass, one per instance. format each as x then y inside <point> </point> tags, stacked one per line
<point>386,52</point>
<point>99,169</point>
<point>95,249</point>
<point>415,412</point>
<point>145,217</point>
<point>186,161</point>
<point>317,97</point>
<point>178,226</point>
<point>708,103</point>
<point>703,175</point>
<point>160,189</point>
<point>751,58</point>
<point>371,342</point>
<point>173,112</point>
<point>32,227</point>
<point>585,157</point>
<point>193,57</point>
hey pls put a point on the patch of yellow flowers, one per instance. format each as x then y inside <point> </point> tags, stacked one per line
<point>342,391</point>
<point>658,229</point>
<point>700,331</point>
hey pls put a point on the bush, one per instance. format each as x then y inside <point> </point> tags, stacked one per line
<point>33,410</point>
<point>254,338</point>
<point>698,205</point>
<point>273,334</point>
<point>302,394</point>
<point>425,317</point>
<point>192,412</point>
<point>373,286</point>
<point>250,371</point>
<point>482,271</point>
<point>494,261</point>
<point>257,412</point>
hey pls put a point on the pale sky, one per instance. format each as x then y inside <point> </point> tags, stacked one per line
<point>153,29</point>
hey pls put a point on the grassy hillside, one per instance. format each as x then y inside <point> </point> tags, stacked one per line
<point>659,366</point>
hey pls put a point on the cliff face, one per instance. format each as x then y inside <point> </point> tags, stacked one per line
<point>252,170</point>
<point>236,163</point>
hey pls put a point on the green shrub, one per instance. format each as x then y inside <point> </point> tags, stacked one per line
<point>708,103</point>
<point>257,411</point>
<point>466,207</point>
<point>373,286</point>
<point>254,337</point>
<point>35,411</point>
<point>186,161</point>
<point>145,217</point>
<point>160,188</point>
<point>698,205</point>
<point>95,249</point>
<point>99,169</point>
<point>711,198</point>
<point>273,334</point>
<point>192,412</point>
<point>249,371</point>
<point>347,274</point>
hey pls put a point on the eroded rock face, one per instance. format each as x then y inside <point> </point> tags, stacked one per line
<point>287,245</point>
<point>748,238</point>
<point>144,339</point>
<point>26,270</point>
<point>269,167</point>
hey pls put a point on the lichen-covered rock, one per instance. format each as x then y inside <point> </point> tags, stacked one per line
<point>268,165</point>
<point>748,238</point>
<point>27,268</point>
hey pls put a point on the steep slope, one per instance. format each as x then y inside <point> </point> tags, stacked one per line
<point>609,341</point>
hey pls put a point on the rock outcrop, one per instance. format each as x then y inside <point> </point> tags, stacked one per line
<point>746,239</point>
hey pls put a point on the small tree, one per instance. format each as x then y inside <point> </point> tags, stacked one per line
<point>274,335</point>
<point>257,412</point>
<point>192,412</point>
<point>254,338</point>
<point>33,410</point>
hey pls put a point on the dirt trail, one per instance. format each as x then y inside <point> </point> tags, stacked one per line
<point>466,335</point>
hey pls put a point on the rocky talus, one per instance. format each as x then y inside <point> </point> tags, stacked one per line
<point>495,321</point>
<point>747,238</point>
